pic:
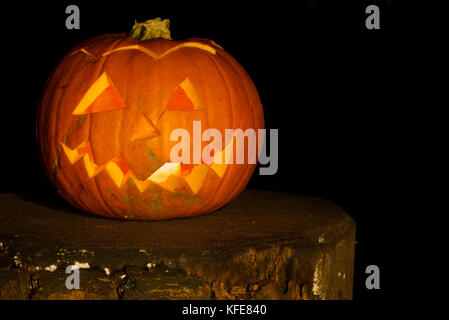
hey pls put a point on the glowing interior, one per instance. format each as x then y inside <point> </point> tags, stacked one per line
<point>169,176</point>
<point>151,53</point>
<point>157,56</point>
<point>101,96</point>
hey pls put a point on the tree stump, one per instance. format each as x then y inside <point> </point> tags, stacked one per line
<point>263,245</point>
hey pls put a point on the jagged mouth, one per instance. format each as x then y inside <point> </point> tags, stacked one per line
<point>169,176</point>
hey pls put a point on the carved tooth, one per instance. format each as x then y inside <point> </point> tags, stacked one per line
<point>168,169</point>
<point>196,178</point>
<point>72,154</point>
<point>91,168</point>
<point>222,159</point>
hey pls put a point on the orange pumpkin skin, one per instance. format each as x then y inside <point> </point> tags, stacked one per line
<point>142,78</point>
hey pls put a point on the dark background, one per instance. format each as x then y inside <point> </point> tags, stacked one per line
<point>328,84</point>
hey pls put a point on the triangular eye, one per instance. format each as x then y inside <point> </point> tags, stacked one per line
<point>184,98</point>
<point>180,101</point>
<point>101,96</point>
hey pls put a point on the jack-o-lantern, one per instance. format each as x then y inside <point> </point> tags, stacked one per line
<point>109,108</point>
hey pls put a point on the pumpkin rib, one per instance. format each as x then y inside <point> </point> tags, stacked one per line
<point>250,91</point>
<point>100,193</point>
<point>202,86</point>
<point>224,81</point>
<point>211,59</point>
<point>242,181</point>
<point>231,168</point>
<point>57,111</point>
<point>249,167</point>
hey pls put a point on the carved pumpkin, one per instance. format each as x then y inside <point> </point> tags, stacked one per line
<point>107,112</point>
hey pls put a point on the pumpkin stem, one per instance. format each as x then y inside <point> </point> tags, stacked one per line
<point>150,29</point>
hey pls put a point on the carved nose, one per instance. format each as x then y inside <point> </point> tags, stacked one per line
<point>144,129</point>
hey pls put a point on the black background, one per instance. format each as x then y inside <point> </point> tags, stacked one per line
<point>326,82</point>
